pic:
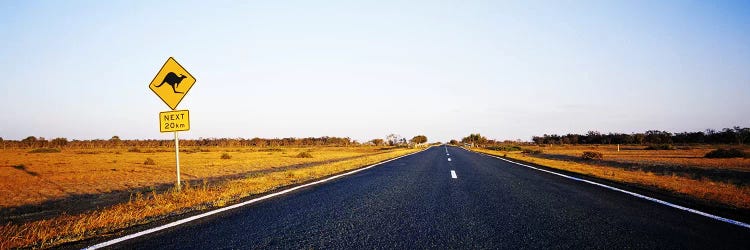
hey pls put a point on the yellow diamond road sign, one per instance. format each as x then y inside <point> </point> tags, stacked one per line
<point>172,83</point>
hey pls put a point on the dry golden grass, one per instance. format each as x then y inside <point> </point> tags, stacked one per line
<point>719,192</point>
<point>153,206</point>
<point>692,156</point>
<point>80,172</point>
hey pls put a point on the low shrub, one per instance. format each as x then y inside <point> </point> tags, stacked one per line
<point>149,161</point>
<point>592,155</point>
<point>271,150</point>
<point>134,150</point>
<point>505,148</point>
<point>726,153</point>
<point>45,150</point>
<point>226,156</point>
<point>304,155</point>
<point>531,151</point>
<point>87,152</point>
<point>660,147</point>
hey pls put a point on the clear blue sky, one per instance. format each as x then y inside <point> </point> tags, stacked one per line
<point>364,69</point>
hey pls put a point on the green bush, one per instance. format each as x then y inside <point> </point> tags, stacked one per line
<point>592,155</point>
<point>149,161</point>
<point>304,155</point>
<point>45,150</point>
<point>226,156</point>
<point>660,147</point>
<point>726,153</point>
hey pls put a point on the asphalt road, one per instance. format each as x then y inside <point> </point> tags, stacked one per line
<point>414,202</point>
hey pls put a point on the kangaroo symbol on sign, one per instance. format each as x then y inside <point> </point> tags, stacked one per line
<point>173,80</point>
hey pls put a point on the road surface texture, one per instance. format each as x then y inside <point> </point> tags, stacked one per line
<point>415,202</point>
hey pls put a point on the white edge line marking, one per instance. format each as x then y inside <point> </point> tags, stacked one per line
<point>715,217</point>
<point>453,174</point>
<point>182,221</point>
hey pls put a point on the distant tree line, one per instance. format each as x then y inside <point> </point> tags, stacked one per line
<point>397,140</point>
<point>479,140</point>
<point>736,135</point>
<point>476,139</point>
<point>116,142</point>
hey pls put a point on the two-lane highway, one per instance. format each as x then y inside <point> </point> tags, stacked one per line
<point>426,201</point>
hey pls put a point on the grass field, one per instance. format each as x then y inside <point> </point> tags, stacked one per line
<point>687,156</point>
<point>81,172</point>
<point>139,193</point>
<point>682,171</point>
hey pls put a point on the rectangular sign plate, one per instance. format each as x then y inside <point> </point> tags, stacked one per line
<point>171,121</point>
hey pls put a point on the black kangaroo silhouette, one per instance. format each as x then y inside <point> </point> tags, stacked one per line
<point>173,80</point>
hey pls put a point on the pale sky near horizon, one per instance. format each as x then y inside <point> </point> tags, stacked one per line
<point>365,69</point>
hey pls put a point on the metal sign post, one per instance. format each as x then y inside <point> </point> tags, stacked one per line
<point>174,121</point>
<point>177,157</point>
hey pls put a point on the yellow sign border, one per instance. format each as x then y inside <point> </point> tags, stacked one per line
<point>168,131</point>
<point>186,91</point>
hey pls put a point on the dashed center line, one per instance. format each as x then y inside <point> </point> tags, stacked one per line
<point>449,159</point>
<point>453,174</point>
